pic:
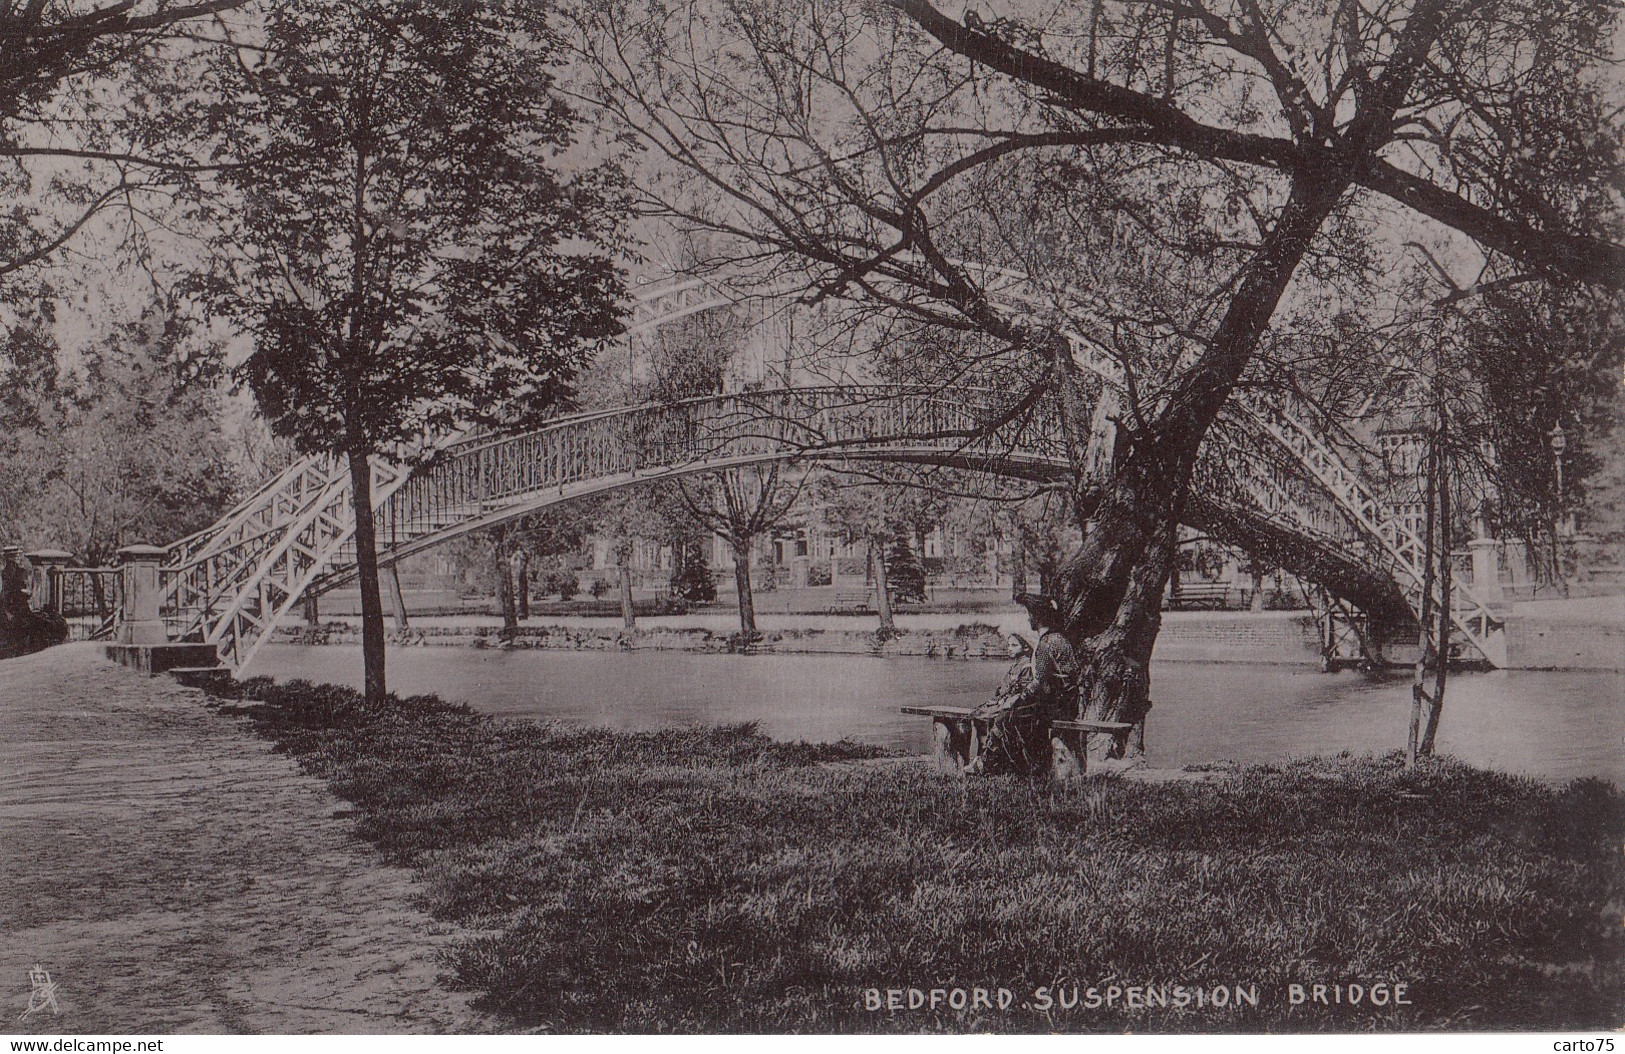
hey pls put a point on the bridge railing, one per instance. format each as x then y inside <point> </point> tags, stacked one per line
<point>89,599</point>
<point>229,586</point>
<point>186,606</point>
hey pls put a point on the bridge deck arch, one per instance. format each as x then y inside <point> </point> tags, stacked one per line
<point>467,520</point>
<point>233,582</point>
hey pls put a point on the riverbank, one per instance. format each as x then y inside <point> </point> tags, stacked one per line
<point>174,873</point>
<point>1282,637</point>
<point>713,880</point>
<point>1578,634</point>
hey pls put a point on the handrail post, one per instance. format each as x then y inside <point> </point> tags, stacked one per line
<point>142,623</point>
<point>49,563</point>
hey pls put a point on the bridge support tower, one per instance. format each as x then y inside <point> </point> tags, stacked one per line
<point>143,641</point>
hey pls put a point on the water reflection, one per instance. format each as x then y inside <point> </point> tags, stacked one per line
<point>1557,725</point>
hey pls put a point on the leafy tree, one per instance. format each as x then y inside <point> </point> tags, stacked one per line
<point>692,358</point>
<point>856,513</point>
<point>1540,356</point>
<point>1041,536</point>
<point>95,103</point>
<point>96,108</point>
<point>623,516</point>
<point>1185,183</point>
<point>740,505</point>
<point>411,256</point>
<point>549,536</point>
<point>128,450</point>
<point>691,578</point>
<point>542,535</point>
<point>29,392</point>
<point>561,583</point>
<point>905,576</point>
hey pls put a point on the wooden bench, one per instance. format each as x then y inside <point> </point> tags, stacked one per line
<point>1069,744</point>
<point>856,600</point>
<point>1211,595</point>
<point>958,736</point>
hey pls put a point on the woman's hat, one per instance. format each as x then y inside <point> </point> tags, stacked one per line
<point>1039,604</point>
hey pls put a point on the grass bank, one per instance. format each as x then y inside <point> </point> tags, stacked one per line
<point>710,879</point>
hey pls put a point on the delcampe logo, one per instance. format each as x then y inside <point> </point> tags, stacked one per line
<point>43,993</point>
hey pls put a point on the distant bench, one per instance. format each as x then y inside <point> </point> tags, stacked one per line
<point>856,600</point>
<point>958,737</point>
<point>1212,595</point>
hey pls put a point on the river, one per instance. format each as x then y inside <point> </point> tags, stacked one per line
<point>1553,725</point>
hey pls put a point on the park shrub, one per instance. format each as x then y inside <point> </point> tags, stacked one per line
<point>560,583</point>
<point>905,578</point>
<point>693,583</point>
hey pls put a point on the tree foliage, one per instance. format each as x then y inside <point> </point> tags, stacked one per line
<point>1206,194</point>
<point>129,448</point>
<point>411,252</point>
<point>410,255</point>
<point>97,110</point>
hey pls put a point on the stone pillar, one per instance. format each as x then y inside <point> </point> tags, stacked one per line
<point>798,572</point>
<point>142,623</point>
<point>1486,554</point>
<point>48,565</point>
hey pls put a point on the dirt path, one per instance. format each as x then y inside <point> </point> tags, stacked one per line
<point>174,875</point>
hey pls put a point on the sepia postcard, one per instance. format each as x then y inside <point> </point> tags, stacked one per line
<point>740,517</point>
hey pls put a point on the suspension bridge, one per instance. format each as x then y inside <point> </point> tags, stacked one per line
<point>1267,481</point>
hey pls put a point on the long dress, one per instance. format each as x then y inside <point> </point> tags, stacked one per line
<point>1035,691</point>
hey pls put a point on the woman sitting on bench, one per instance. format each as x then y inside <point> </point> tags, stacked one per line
<point>1015,678</point>
<point>1029,699</point>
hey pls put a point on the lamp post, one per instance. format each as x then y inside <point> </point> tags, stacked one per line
<point>1560,442</point>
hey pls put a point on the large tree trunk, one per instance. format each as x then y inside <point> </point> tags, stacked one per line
<point>1111,590</point>
<point>366,559</point>
<point>877,567</point>
<point>747,602</point>
<point>1116,661</point>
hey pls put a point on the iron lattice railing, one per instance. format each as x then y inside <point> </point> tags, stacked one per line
<point>235,580</point>
<point>90,600</point>
<point>230,584</point>
<point>1389,535</point>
